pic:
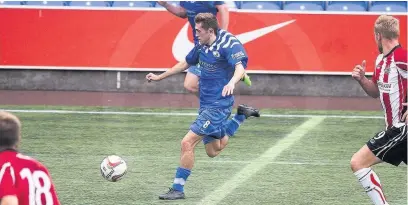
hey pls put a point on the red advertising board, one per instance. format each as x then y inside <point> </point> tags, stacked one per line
<point>155,40</point>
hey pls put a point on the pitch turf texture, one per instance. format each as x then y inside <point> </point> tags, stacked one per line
<point>278,159</point>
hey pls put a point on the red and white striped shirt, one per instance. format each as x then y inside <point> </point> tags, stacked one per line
<point>391,75</point>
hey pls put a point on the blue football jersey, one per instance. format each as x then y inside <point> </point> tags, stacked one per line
<point>195,7</point>
<point>217,63</point>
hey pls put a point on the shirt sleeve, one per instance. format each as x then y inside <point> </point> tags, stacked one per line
<point>376,74</point>
<point>7,180</point>
<point>235,54</point>
<point>401,63</point>
<point>193,56</point>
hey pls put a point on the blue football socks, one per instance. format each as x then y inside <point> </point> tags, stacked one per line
<point>234,123</point>
<point>181,178</point>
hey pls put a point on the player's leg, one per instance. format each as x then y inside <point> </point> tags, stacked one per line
<point>387,146</point>
<point>210,125</point>
<point>214,146</point>
<point>191,79</point>
<point>191,82</point>
<point>188,144</point>
<point>243,113</point>
<point>361,163</point>
<point>184,170</point>
<point>204,125</point>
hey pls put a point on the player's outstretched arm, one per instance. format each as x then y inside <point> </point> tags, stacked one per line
<point>176,10</point>
<point>239,72</point>
<point>9,200</point>
<point>368,85</point>
<point>224,16</point>
<point>178,68</point>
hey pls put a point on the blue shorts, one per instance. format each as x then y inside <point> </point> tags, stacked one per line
<point>210,123</point>
<point>195,70</point>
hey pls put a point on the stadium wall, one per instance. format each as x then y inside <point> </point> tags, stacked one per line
<point>128,81</point>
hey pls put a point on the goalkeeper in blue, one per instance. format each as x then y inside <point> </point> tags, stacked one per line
<point>223,60</point>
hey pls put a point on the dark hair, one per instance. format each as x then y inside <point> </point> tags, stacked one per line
<point>207,20</point>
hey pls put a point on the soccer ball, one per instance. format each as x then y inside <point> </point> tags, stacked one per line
<point>113,168</point>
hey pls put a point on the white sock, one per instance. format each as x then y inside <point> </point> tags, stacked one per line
<point>371,184</point>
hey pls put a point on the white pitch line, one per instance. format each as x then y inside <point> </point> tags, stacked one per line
<point>272,162</point>
<point>259,163</point>
<point>183,114</point>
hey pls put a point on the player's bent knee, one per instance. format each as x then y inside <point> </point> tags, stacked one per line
<point>212,153</point>
<point>355,163</point>
<point>359,161</point>
<point>191,82</point>
<point>191,86</point>
<point>364,158</point>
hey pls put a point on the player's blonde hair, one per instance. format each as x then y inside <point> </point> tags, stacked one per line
<point>10,128</point>
<point>207,20</point>
<point>387,26</point>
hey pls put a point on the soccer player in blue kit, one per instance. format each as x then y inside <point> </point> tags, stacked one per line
<point>223,60</point>
<point>189,9</point>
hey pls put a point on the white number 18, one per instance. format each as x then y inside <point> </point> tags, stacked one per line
<point>36,190</point>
